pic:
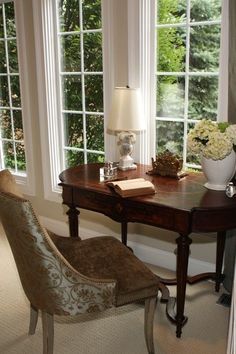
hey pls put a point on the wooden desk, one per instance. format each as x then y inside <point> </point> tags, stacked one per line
<point>183,206</point>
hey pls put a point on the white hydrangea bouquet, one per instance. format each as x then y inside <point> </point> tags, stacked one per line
<point>212,140</point>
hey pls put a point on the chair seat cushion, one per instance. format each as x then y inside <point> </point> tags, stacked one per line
<point>107,258</point>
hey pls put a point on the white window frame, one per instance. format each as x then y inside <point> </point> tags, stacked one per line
<point>48,90</point>
<point>26,181</point>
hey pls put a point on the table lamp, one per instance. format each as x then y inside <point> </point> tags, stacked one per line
<point>126,118</point>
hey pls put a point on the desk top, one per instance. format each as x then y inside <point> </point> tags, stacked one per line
<point>206,210</point>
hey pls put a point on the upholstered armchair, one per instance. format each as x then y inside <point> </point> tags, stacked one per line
<point>66,276</point>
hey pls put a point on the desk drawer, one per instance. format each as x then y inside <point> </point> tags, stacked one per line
<point>101,203</point>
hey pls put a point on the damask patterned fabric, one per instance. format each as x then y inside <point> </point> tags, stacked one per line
<point>104,257</point>
<point>49,281</point>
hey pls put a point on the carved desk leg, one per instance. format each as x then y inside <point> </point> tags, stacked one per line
<point>219,258</point>
<point>183,243</point>
<point>73,216</point>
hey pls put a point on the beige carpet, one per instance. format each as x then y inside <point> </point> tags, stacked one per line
<point>118,331</point>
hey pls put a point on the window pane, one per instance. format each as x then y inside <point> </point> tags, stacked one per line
<point>12,56</point>
<point>171,49</point>
<point>170,137</point>
<point>15,91</point>
<point>186,52</point>
<point>192,159</point>
<point>3,65</point>
<point>69,17</point>
<point>20,156</point>
<point>1,22</point>
<point>93,52</point>
<point>8,153</point>
<point>203,96</point>
<point>95,132</point>
<point>4,93</point>
<point>94,93</point>
<point>95,158</point>
<point>73,158</point>
<point>205,10</point>
<point>170,96</point>
<point>92,14</point>
<point>70,53</point>
<point>10,19</point>
<point>5,124</point>
<point>173,11</point>
<point>72,92</point>
<point>18,125</point>
<point>204,48</point>
<point>73,130</point>
<point>80,55</point>
<point>11,124</point>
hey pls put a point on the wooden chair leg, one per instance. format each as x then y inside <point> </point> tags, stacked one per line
<point>150,306</point>
<point>33,319</point>
<point>48,332</point>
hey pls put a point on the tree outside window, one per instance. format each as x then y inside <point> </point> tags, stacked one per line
<point>12,148</point>
<point>187,64</point>
<point>81,81</point>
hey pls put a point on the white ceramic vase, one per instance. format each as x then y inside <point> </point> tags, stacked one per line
<point>218,173</point>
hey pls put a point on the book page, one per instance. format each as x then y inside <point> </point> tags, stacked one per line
<point>129,183</point>
<point>135,185</point>
<point>132,187</point>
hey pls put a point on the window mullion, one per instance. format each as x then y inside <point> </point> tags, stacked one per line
<point>186,98</point>
<point>83,80</point>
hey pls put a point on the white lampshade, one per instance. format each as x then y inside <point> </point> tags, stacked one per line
<point>126,110</point>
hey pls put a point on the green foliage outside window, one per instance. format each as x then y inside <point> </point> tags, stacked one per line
<point>11,125</point>
<point>204,44</point>
<point>82,80</point>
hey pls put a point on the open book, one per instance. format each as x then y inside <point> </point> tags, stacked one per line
<point>132,187</point>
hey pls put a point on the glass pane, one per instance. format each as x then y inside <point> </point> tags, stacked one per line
<point>8,153</point>
<point>170,137</point>
<point>15,91</point>
<point>93,52</point>
<point>171,11</point>
<point>95,158</point>
<point>3,65</point>
<point>92,14</point>
<point>94,93</point>
<point>4,93</point>
<point>170,96</point>
<point>205,10</point>
<point>192,159</point>
<point>20,156</point>
<point>10,19</point>
<point>95,132</point>
<point>73,130</point>
<point>203,97</point>
<point>5,124</point>
<point>171,49</point>
<point>70,53</point>
<point>73,158</point>
<point>18,125</point>
<point>69,17</point>
<point>204,48</point>
<point>72,92</point>
<point>12,56</point>
<point>1,22</point>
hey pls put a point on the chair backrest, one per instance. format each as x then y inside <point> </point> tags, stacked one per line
<point>49,281</point>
